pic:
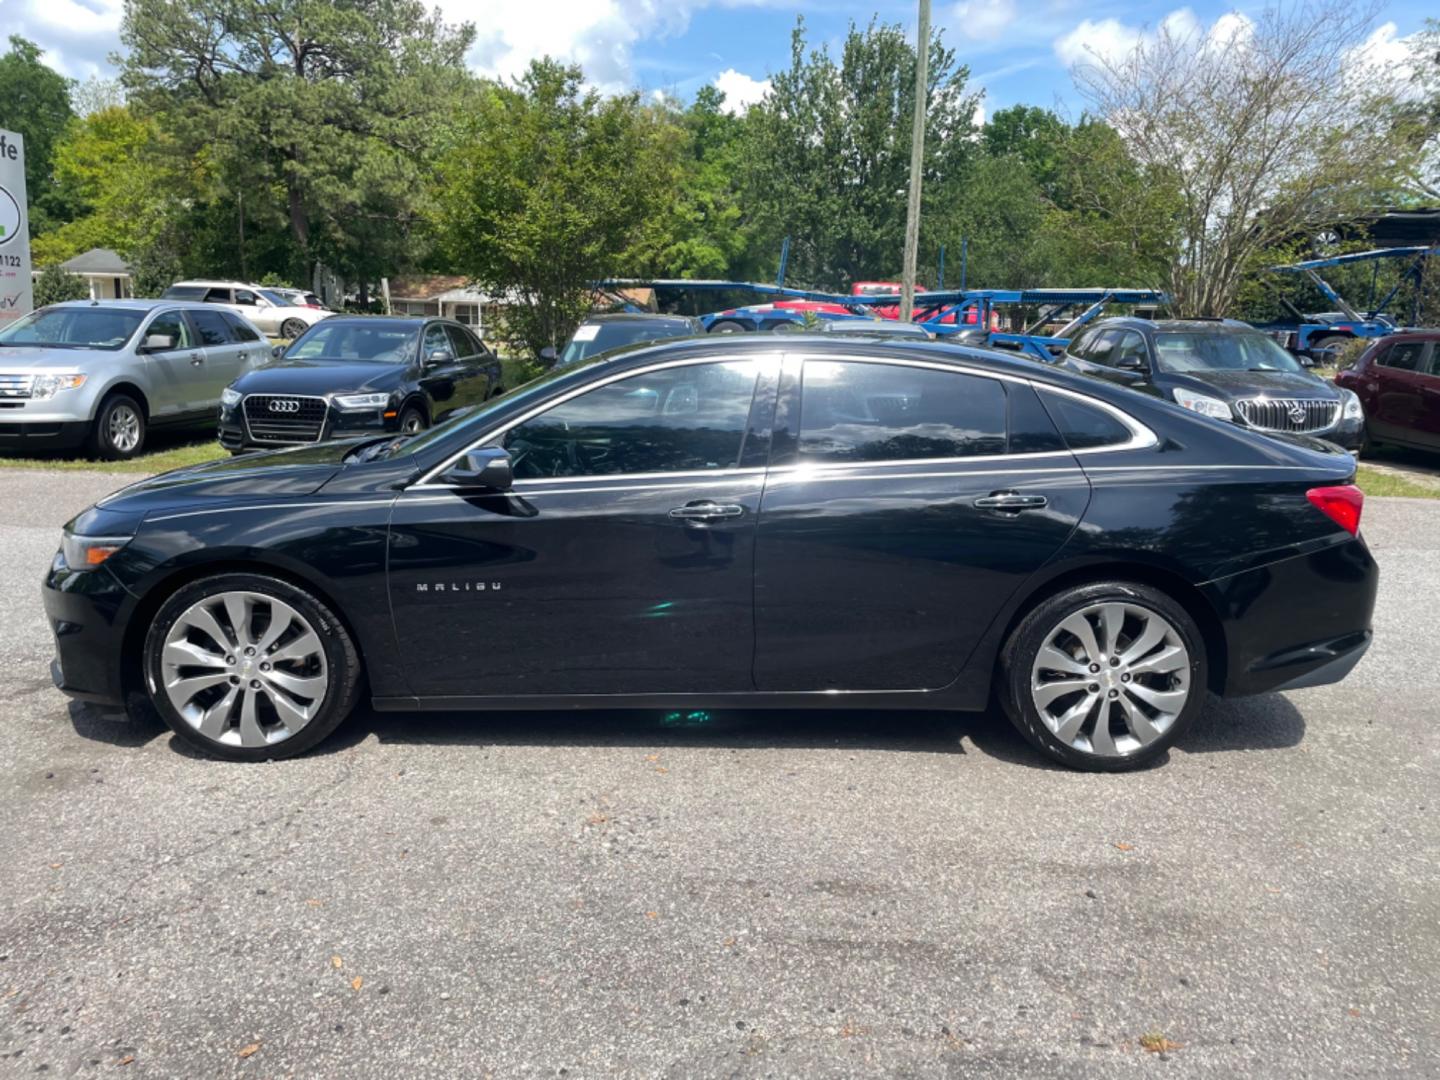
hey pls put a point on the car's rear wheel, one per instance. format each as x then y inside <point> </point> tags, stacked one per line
<point>292,328</point>
<point>728,326</point>
<point>249,667</point>
<point>1105,676</point>
<point>119,429</point>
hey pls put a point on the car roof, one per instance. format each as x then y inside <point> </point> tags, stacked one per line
<point>136,304</point>
<point>1219,326</point>
<point>371,320</point>
<point>638,316</point>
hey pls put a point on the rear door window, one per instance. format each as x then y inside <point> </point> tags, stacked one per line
<point>853,411</point>
<point>1084,426</point>
<point>214,330</point>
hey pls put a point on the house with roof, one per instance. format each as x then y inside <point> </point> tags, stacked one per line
<point>107,274</point>
<point>446,296</point>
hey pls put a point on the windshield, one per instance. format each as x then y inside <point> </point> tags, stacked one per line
<point>1206,351</point>
<point>594,338</point>
<point>377,342</point>
<point>74,328</point>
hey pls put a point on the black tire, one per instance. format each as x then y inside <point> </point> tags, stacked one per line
<point>728,326</point>
<point>412,420</point>
<point>342,663</point>
<point>293,328</point>
<point>1330,341</point>
<point>1022,649</point>
<point>110,439</point>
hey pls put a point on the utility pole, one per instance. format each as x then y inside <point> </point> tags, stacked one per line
<point>917,161</point>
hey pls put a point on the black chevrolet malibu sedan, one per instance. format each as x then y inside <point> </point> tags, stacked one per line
<point>804,522</point>
<point>361,375</point>
<point>1220,368</point>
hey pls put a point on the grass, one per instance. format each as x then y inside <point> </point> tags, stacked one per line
<point>1377,483</point>
<point>168,452</point>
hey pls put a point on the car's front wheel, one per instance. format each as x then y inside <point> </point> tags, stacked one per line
<point>119,429</point>
<point>412,420</point>
<point>1104,676</point>
<point>249,667</point>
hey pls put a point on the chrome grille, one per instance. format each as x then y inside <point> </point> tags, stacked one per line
<point>15,386</point>
<point>1289,414</point>
<point>285,418</point>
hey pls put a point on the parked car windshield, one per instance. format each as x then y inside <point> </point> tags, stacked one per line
<point>74,328</point>
<point>380,342</point>
<point>594,338</point>
<point>1186,351</point>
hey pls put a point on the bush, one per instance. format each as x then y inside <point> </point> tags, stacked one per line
<point>54,285</point>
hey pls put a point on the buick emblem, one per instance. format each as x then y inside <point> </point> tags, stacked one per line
<point>285,405</point>
<point>1297,412</point>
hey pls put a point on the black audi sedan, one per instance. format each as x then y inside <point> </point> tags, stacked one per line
<point>1219,368</point>
<point>794,522</point>
<point>355,376</point>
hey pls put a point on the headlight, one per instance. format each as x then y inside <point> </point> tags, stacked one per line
<point>230,398</point>
<point>1352,409</point>
<point>88,552</point>
<point>362,401</point>
<point>1202,403</point>
<point>47,386</point>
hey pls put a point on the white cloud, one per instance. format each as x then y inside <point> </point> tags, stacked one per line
<point>982,19</point>
<point>77,35</point>
<point>1386,56</point>
<point>740,90</point>
<point>1110,40</point>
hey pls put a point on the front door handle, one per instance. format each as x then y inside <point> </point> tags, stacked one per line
<point>707,511</point>
<point>196,359</point>
<point>1011,501</point>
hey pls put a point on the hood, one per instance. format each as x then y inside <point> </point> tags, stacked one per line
<point>320,377</point>
<point>279,474</point>
<point>24,359</point>
<point>1246,384</point>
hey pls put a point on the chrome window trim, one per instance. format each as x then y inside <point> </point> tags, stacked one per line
<point>1141,436</point>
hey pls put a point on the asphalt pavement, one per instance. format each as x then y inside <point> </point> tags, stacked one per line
<point>766,894</point>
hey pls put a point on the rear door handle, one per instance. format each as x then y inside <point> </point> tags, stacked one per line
<point>707,511</point>
<point>1011,501</point>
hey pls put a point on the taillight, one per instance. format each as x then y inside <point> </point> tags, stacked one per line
<point>1342,504</point>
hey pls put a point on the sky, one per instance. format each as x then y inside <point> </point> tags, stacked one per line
<point>1018,51</point>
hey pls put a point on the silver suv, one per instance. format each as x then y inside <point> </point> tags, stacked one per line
<point>101,373</point>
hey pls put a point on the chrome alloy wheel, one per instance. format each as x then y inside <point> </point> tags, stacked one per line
<point>1111,679</point>
<point>244,669</point>
<point>123,428</point>
<point>412,424</point>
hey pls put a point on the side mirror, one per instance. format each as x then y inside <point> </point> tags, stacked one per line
<point>277,351</point>
<point>487,467</point>
<point>1131,363</point>
<point>158,343</point>
<point>438,357</point>
<point>548,354</point>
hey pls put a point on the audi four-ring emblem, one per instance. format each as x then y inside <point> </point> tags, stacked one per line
<point>284,405</point>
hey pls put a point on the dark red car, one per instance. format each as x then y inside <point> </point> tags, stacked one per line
<point>1398,382</point>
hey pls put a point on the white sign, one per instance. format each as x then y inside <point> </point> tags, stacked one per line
<point>15,294</point>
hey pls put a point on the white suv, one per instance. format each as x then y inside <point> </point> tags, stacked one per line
<point>276,314</point>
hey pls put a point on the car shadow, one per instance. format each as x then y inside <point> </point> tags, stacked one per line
<point>1266,722</point>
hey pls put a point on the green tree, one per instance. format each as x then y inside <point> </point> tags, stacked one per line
<point>36,103</point>
<point>1035,137</point>
<point>54,285</point>
<point>827,153</point>
<point>312,115</point>
<point>548,188</point>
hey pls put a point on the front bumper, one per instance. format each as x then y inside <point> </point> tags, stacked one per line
<point>1302,621</point>
<point>235,434</point>
<point>42,434</point>
<point>87,611</point>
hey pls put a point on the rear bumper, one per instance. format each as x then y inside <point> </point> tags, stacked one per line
<point>43,434</point>
<point>1302,621</point>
